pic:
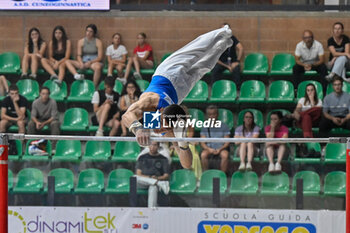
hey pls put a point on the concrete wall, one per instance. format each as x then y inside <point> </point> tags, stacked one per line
<point>265,32</point>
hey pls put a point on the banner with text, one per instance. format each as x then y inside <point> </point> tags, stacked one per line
<point>54,4</point>
<point>172,220</point>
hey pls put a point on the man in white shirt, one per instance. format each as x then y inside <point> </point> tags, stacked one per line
<point>309,55</point>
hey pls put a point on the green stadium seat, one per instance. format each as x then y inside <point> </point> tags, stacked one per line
<point>258,117</point>
<point>335,153</point>
<point>310,73</point>
<point>75,120</point>
<point>64,180</point>
<point>10,63</point>
<point>125,152</point>
<point>256,64</point>
<point>10,180</point>
<point>29,157</point>
<point>223,91</point>
<point>243,183</point>
<point>302,87</point>
<point>196,114</point>
<point>206,183</point>
<point>119,181</point>
<point>67,151</point>
<point>28,88</point>
<point>281,92</point>
<point>226,117</point>
<point>165,56</point>
<point>97,151</point>
<point>57,92</point>
<point>335,184</point>
<point>90,181</point>
<point>198,94</point>
<point>311,183</point>
<point>143,84</point>
<point>19,151</point>
<point>182,181</point>
<point>118,86</point>
<point>252,91</point>
<point>29,180</point>
<point>275,184</point>
<point>81,91</point>
<point>282,64</point>
<point>312,148</point>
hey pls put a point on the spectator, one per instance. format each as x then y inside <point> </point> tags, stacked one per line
<point>34,50</point>
<point>215,149</point>
<point>59,52</point>
<point>339,48</point>
<point>44,112</point>
<point>336,108</point>
<point>4,88</point>
<point>308,111</point>
<point>130,95</point>
<point>105,104</point>
<point>275,130</point>
<point>116,54</point>
<point>152,172</point>
<point>13,110</point>
<point>142,58</point>
<point>247,130</point>
<point>309,55</point>
<point>230,61</point>
<point>89,55</point>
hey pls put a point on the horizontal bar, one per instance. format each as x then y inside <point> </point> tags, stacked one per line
<point>165,139</point>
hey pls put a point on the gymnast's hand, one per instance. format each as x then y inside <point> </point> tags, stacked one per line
<point>143,137</point>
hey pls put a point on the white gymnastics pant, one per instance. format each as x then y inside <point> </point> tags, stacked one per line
<point>189,64</point>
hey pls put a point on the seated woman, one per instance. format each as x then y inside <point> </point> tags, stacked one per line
<point>275,130</point>
<point>339,56</point>
<point>59,52</point>
<point>130,95</point>
<point>247,130</point>
<point>116,55</point>
<point>34,50</point>
<point>308,111</point>
<point>142,58</point>
<point>89,55</point>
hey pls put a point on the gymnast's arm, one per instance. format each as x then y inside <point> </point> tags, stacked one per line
<point>147,102</point>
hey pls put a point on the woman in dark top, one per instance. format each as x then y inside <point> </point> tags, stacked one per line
<point>339,48</point>
<point>34,50</point>
<point>59,52</point>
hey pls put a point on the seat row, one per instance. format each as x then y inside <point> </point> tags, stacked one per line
<point>100,151</point>
<point>91,181</point>
<point>254,91</point>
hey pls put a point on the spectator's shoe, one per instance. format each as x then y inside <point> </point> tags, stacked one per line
<point>24,76</point>
<point>79,76</point>
<point>99,133</point>
<point>278,167</point>
<point>330,76</point>
<point>271,167</point>
<point>59,82</point>
<point>123,80</point>
<point>137,76</point>
<point>164,186</point>
<point>241,167</point>
<point>32,76</point>
<point>248,166</point>
<point>53,77</point>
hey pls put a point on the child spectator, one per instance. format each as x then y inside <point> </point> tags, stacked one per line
<point>116,54</point>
